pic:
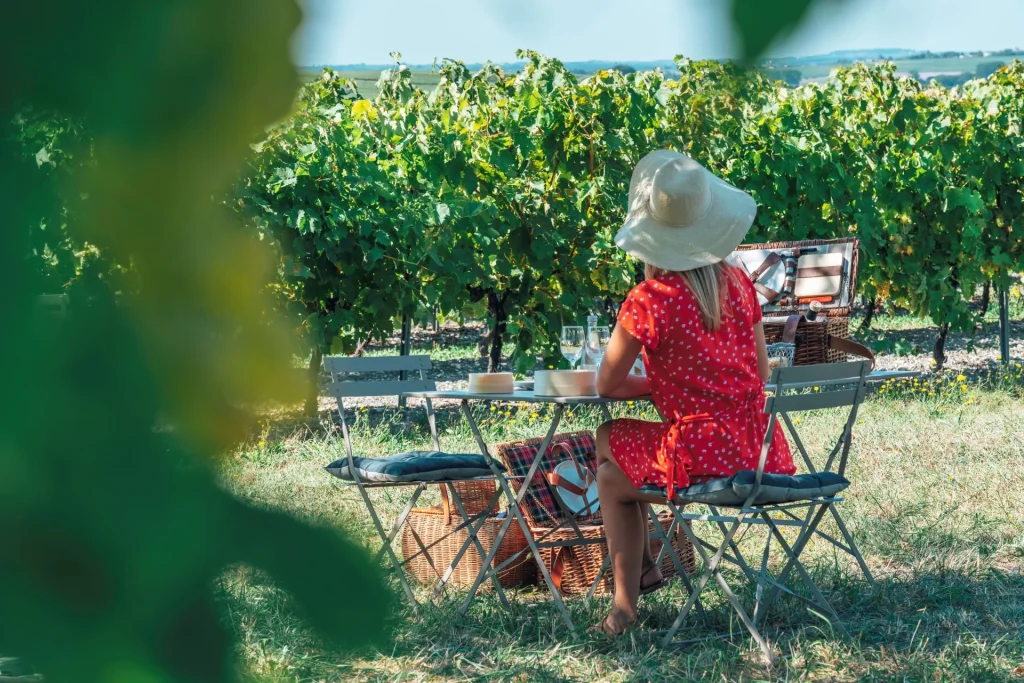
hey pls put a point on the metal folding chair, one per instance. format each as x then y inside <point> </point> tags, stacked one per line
<point>341,388</point>
<point>771,502</point>
<point>835,463</point>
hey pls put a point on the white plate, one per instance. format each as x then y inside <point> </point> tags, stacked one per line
<point>565,383</point>
<point>588,503</point>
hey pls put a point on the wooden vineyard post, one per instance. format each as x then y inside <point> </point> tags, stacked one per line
<point>406,344</point>
<point>1004,325</point>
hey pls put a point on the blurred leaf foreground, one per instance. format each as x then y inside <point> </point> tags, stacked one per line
<point>112,529</point>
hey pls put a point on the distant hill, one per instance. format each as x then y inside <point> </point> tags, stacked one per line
<point>814,62</point>
<point>949,68</point>
<point>847,56</point>
<point>589,67</point>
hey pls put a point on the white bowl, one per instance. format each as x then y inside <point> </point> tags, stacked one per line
<point>491,383</point>
<point>565,383</point>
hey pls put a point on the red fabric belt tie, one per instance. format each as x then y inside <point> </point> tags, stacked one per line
<point>667,456</point>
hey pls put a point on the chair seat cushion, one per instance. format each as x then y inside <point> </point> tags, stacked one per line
<point>775,488</point>
<point>415,466</point>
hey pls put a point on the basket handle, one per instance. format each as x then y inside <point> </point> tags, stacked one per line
<point>446,506</point>
<point>853,348</point>
<point>789,331</point>
<point>558,566</point>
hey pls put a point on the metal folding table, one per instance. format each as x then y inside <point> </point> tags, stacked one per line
<point>560,404</point>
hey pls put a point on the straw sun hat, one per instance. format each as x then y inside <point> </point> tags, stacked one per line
<point>682,216</point>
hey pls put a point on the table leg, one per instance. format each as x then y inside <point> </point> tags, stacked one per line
<point>515,514</point>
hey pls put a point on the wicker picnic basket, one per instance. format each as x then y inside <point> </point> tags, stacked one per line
<point>849,246</point>
<point>827,338</point>
<point>436,527</point>
<point>573,569</point>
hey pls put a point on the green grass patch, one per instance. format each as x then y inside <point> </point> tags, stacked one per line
<point>937,506</point>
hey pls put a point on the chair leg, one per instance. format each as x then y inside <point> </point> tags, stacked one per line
<point>597,580</point>
<point>666,544</point>
<point>852,545</point>
<point>666,547</point>
<point>712,569</point>
<point>793,555</point>
<point>849,547</point>
<point>388,539</point>
<point>759,606</point>
<point>400,520</point>
<point>739,561</point>
<point>485,570</point>
<point>814,516</point>
<point>710,564</point>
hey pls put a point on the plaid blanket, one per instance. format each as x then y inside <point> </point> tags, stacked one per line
<point>540,507</point>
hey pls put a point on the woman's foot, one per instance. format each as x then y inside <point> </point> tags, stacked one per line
<point>651,579</point>
<point>615,624</point>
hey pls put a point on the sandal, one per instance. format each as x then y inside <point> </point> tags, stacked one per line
<point>604,627</point>
<point>657,585</point>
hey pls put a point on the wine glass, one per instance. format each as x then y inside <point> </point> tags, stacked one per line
<point>572,344</point>
<point>597,341</point>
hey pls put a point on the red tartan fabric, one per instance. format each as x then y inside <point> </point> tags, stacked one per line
<point>540,507</point>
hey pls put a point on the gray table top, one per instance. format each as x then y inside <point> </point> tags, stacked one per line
<point>530,397</point>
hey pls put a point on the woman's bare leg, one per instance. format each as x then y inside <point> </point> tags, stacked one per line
<point>651,572</point>
<point>625,532</point>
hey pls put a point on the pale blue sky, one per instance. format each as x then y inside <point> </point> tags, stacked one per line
<point>354,31</point>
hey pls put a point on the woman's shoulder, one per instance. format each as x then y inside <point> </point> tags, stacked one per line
<point>665,285</point>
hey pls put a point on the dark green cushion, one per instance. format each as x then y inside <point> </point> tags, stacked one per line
<point>775,488</point>
<point>415,466</point>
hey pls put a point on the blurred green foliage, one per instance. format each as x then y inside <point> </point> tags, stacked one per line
<point>758,24</point>
<point>112,416</point>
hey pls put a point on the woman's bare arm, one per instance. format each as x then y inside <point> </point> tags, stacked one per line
<point>762,353</point>
<point>615,378</point>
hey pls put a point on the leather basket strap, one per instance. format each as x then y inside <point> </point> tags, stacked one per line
<point>851,347</point>
<point>770,261</point>
<point>819,271</point>
<point>769,294</point>
<point>790,328</point>
<point>557,480</point>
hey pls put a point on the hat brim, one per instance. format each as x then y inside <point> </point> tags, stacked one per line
<point>706,242</point>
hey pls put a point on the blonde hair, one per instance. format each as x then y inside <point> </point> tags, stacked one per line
<point>710,287</point>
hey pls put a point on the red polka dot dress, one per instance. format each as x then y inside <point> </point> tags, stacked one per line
<point>706,385</point>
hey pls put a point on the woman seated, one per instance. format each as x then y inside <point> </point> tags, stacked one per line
<point>698,324</point>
